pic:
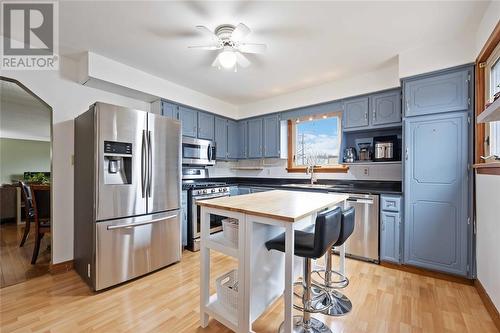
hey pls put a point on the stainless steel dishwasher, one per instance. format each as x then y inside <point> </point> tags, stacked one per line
<point>363,243</point>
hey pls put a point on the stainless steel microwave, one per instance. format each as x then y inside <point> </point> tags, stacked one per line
<point>198,151</point>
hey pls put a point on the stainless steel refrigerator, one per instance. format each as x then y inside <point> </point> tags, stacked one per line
<point>127,181</point>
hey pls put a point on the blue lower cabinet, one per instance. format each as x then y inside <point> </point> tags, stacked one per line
<point>437,196</point>
<point>390,228</point>
<point>221,138</point>
<point>389,236</point>
<point>244,190</point>
<point>233,190</point>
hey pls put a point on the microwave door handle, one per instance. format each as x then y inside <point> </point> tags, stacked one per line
<point>143,163</point>
<point>209,152</point>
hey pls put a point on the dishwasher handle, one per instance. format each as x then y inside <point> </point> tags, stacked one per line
<point>361,200</point>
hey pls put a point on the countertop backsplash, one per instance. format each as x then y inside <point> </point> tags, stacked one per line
<point>276,168</point>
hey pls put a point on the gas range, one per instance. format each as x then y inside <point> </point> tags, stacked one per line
<point>210,189</point>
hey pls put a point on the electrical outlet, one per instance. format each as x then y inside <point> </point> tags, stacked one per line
<point>366,171</point>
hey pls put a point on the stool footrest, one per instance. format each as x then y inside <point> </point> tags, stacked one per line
<point>341,281</point>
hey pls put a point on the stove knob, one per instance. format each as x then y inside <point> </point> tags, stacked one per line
<point>213,190</point>
<point>204,191</point>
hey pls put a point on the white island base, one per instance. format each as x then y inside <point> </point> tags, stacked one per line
<point>263,276</point>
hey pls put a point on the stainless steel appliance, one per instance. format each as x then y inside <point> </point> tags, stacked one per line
<point>365,151</point>
<point>350,155</point>
<point>364,241</point>
<point>385,148</point>
<point>198,151</point>
<point>203,191</point>
<point>127,194</point>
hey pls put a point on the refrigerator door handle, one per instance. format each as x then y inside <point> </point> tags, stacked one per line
<point>143,164</point>
<point>150,164</point>
<point>132,225</point>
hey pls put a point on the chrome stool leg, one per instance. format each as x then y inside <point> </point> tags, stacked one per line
<point>340,303</point>
<point>305,323</point>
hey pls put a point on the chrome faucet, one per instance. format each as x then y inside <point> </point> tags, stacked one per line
<point>310,170</point>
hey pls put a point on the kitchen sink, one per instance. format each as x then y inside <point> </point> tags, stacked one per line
<point>311,185</point>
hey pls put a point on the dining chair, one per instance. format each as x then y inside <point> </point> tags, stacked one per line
<point>37,203</point>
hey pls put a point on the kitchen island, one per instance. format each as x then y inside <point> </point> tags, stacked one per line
<point>263,276</point>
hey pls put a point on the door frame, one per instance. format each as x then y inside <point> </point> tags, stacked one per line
<point>51,129</point>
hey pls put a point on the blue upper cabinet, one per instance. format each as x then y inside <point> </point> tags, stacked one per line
<point>437,93</point>
<point>271,136</point>
<point>385,108</point>
<point>243,139</point>
<point>205,126</point>
<point>356,113</point>
<point>189,120</point>
<point>437,192</point>
<point>233,139</point>
<point>169,110</point>
<point>221,138</point>
<point>255,138</point>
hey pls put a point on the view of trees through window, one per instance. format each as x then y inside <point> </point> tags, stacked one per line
<point>317,141</point>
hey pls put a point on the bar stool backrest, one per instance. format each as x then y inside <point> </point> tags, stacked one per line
<point>326,231</point>
<point>347,226</point>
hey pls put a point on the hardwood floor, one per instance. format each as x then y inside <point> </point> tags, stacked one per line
<point>384,300</point>
<point>15,261</point>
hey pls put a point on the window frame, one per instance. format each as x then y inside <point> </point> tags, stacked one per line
<point>480,99</point>
<point>291,129</point>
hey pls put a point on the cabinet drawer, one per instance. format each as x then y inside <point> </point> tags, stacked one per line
<point>390,203</point>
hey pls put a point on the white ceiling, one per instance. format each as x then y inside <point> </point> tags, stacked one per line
<point>22,116</point>
<point>309,43</point>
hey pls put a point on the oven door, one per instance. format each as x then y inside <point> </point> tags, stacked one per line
<point>198,152</point>
<point>215,220</point>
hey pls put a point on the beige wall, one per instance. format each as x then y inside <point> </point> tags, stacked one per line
<point>18,156</point>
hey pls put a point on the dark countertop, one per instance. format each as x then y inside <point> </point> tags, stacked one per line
<point>344,186</point>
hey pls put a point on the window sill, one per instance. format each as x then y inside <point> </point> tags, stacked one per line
<point>334,169</point>
<point>491,168</point>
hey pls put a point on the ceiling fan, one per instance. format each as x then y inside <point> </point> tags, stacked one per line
<point>230,40</point>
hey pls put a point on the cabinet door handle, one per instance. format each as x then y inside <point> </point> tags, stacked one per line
<point>406,153</point>
<point>374,115</point>
<point>366,115</point>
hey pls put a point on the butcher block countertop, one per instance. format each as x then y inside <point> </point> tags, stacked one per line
<point>289,206</point>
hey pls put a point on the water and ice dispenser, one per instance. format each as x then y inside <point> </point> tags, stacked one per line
<point>117,163</point>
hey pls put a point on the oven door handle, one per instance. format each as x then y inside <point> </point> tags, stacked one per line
<point>205,197</point>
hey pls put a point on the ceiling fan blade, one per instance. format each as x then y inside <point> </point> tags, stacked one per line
<point>239,33</point>
<point>241,60</point>
<point>216,62</point>
<point>210,34</point>
<point>252,48</point>
<point>205,47</point>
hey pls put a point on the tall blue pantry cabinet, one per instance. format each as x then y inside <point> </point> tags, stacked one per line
<point>438,231</point>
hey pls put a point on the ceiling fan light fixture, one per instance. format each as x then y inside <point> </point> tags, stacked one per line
<point>227,59</point>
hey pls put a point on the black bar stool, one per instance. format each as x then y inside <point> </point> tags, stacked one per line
<point>312,244</point>
<point>331,279</point>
